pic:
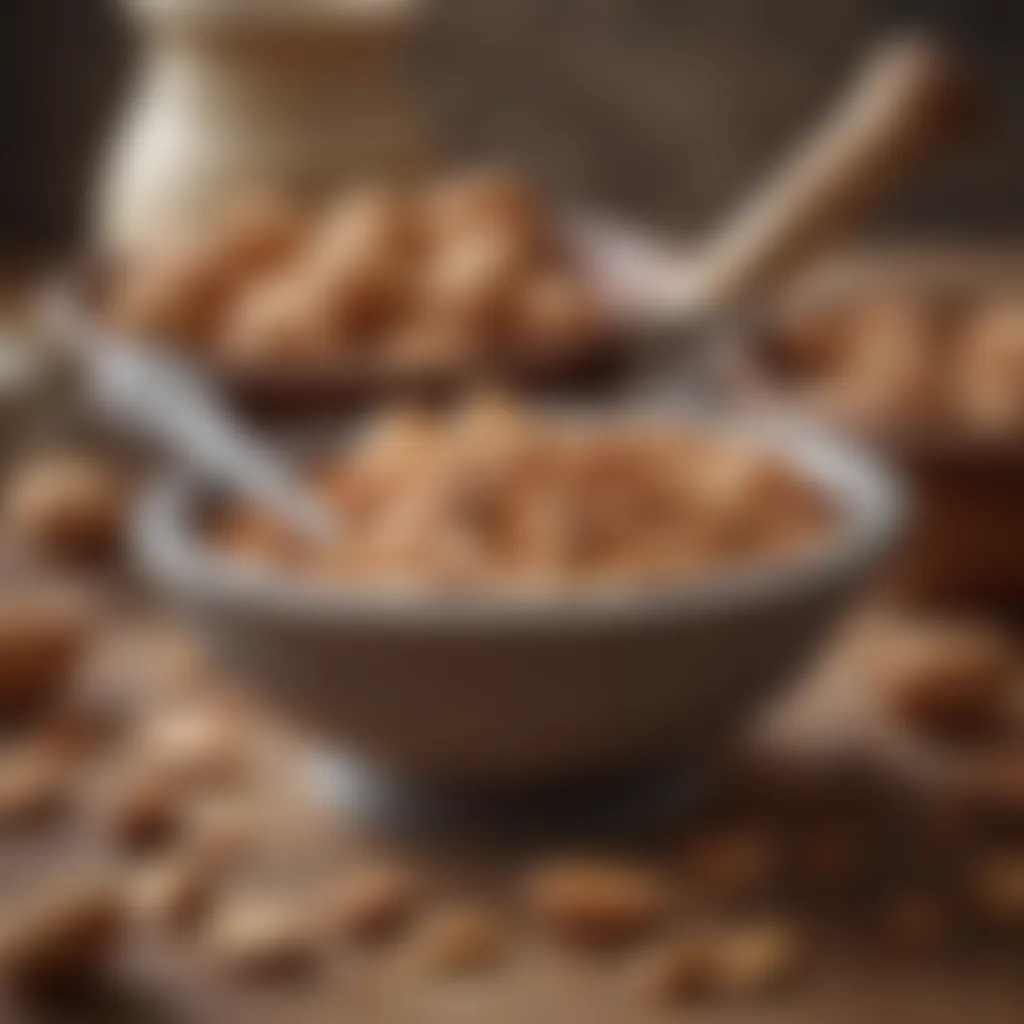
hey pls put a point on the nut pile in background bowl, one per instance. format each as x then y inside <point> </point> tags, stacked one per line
<point>469,273</point>
<point>923,364</point>
<point>926,362</point>
<point>491,497</point>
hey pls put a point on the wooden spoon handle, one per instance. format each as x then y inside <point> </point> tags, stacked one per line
<point>911,101</point>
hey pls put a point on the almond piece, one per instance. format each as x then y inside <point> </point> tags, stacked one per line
<point>683,971</point>
<point>62,932</point>
<point>43,634</point>
<point>145,812</point>
<point>36,778</point>
<point>261,936</point>
<point>66,505</point>
<point>460,939</point>
<point>758,957</point>
<point>373,903</point>
<point>596,903</point>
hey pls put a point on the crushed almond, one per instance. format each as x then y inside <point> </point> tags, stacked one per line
<point>460,939</point>
<point>65,930</point>
<point>66,505</point>
<point>944,676</point>
<point>259,935</point>
<point>373,903</point>
<point>594,902</point>
<point>757,957</point>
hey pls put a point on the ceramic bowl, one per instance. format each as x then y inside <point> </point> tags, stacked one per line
<point>530,689</point>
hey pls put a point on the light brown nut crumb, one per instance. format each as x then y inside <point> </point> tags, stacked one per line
<point>260,935</point>
<point>916,921</point>
<point>36,779</point>
<point>743,959</point>
<point>66,505</point>
<point>143,812</point>
<point>460,939</point>
<point>64,931</point>
<point>175,892</point>
<point>43,635</point>
<point>596,903</point>
<point>996,885</point>
<point>758,957</point>
<point>944,676</point>
<point>225,827</point>
<point>682,971</point>
<point>373,903</point>
<point>200,742</point>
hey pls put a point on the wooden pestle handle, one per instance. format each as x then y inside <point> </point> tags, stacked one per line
<point>911,101</point>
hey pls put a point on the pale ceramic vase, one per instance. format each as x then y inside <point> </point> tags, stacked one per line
<point>305,95</point>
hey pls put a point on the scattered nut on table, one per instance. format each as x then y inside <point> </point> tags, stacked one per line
<point>260,935</point>
<point>459,939</point>
<point>372,903</point>
<point>43,634</point>
<point>682,970</point>
<point>175,891</point>
<point>943,676</point>
<point>748,958</point>
<point>64,930</point>
<point>594,902</point>
<point>67,505</point>
<point>143,811</point>
<point>199,742</point>
<point>37,777</point>
<point>757,957</point>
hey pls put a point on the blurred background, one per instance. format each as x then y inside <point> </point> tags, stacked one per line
<point>859,852</point>
<point>664,110</point>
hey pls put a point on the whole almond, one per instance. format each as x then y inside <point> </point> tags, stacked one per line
<point>594,902</point>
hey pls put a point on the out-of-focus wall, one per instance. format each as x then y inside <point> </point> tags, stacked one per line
<point>671,108</point>
<point>665,109</point>
<point>62,65</point>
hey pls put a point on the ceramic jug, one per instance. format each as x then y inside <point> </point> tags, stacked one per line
<point>305,95</point>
